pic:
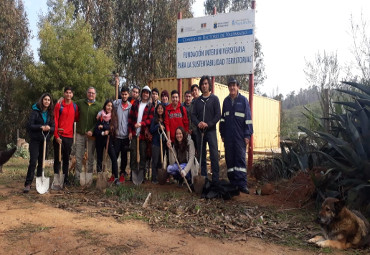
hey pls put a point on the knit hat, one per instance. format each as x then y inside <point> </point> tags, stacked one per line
<point>165,93</point>
<point>146,87</point>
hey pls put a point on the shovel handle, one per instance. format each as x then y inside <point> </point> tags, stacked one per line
<point>60,152</point>
<point>105,154</point>
<point>74,132</point>
<point>138,149</point>
<point>177,162</point>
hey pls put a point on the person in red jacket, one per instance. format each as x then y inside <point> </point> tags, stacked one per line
<point>65,114</point>
<point>176,116</point>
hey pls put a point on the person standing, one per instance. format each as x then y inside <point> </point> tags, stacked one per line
<point>121,142</point>
<point>193,128</point>
<point>156,127</point>
<point>140,117</point>
<point>104,129</point>
<point>205,114</point>
<point>175,117</point>
<point>40,125</point>
<point>135,91</point>
<point>155,97</point>
<point>87,110</point>
<point>65,114</point>
<point>236,129</point>
<point>165,97</point>
<point>187,104</point>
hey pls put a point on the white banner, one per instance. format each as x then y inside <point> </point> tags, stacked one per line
<point>217,45</point>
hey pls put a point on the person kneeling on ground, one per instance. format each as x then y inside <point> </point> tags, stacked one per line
<point>185,153</point>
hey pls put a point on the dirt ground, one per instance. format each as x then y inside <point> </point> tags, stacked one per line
<point>47,224</point>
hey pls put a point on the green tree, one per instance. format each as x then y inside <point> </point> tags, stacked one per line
<point>14,39</point>
<point>68,56</point>
<point>140,34</point>
<point>224,6</point>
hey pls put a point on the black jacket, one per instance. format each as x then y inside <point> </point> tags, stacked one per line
<point>212,111</point>
<point>35,122</point>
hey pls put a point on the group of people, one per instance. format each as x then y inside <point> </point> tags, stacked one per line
<point>143,126</point>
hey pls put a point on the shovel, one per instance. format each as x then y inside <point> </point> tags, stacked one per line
<point>137,175</point>
<point>85,177</point>
<point>177,162</point>
<point>58,178</point>
<point>101,182</point>
<point>162,173</point>
<point>200,180</point>
<point>42,182</point>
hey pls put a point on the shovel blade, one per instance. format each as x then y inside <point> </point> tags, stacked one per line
<point>199,182</point>
<point>86,179</point>
<point>101,181</point>
<point>162,176</point>
<point>42,184</point>
<point>138,177</point>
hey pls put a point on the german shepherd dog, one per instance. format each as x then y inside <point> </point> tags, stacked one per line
<point>343,228</point>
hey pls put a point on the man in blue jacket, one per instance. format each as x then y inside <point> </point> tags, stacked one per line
<point>236,129</point>
<point>205,114</point>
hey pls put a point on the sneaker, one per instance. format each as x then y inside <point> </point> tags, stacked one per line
<point>122,178</point>
<point>155,182</point>
<point>66,183</point>
<point>117,182</point>
<point>27,189</point>
<point>111,179</point>
<point>244,190</point>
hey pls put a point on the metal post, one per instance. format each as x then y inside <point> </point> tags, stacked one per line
<point>213,77</point>
<point>179,81</point>
<point>251,92</point>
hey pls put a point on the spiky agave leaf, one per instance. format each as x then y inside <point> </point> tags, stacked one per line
<point>363,88</point>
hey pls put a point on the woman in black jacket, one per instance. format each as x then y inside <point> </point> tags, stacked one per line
<point>40,125</point>
<point>106,126</point>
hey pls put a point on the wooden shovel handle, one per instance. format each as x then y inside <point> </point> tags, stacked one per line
<point>60,152</point>
<point>177,162</point>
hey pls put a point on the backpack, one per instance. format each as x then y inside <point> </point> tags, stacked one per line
<point>62,107</point>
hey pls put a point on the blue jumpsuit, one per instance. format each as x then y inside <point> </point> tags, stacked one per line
<point>235,125</point>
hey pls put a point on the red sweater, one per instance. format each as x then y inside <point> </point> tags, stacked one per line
<point>175,119</point>
<point>64,120</point>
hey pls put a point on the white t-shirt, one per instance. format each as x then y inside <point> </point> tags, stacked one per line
<point>140,115</point>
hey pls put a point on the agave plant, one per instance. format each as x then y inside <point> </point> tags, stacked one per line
<point>347,150</point>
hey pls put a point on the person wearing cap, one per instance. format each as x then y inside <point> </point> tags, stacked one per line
<point>165,97</point>
<point>236,129</point>
<point>205,114</point>
<point>175,116</point>
<point>140,117</point>
<point>155,96</point>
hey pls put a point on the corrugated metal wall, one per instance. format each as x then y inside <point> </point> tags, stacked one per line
<point>266,113</point>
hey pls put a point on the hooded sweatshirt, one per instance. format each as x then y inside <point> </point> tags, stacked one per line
<point>174,119</point>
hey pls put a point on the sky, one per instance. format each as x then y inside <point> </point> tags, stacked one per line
<point>290,32</point>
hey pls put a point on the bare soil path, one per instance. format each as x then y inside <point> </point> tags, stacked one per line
<point>46,224</point>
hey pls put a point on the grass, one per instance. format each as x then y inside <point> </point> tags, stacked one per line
<point>19,233</point>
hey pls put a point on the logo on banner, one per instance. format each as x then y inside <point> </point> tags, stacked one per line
<point>203,25</point>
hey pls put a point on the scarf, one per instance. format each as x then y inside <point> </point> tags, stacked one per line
<point>105,116</point>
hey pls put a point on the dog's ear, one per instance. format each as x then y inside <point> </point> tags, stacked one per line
<point>338,205</point>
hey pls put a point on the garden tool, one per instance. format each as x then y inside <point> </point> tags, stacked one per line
<point>200,180</point>
<point>101,182</point>
<point>85,177</point>
<point>177,162</point>
<point>58,180</point>
<point>138,175</point>
<point>162,172</point>
<point>42,182</point>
